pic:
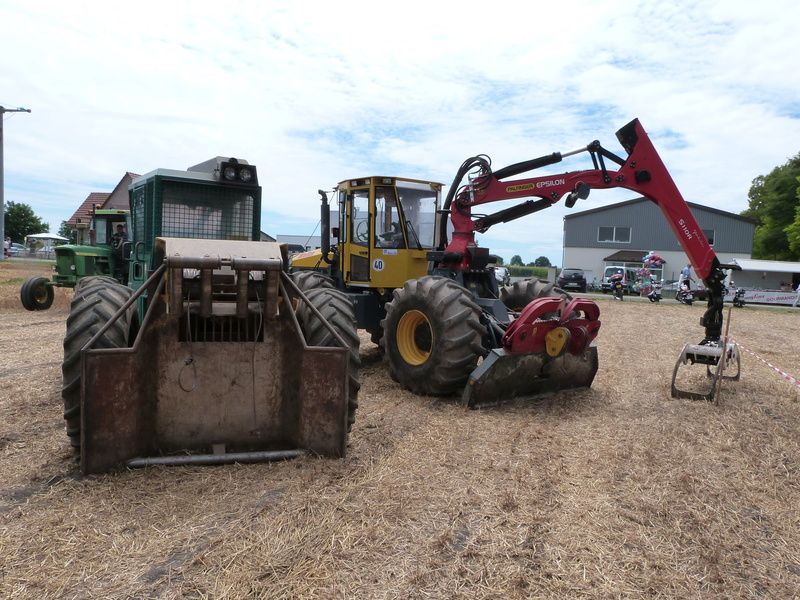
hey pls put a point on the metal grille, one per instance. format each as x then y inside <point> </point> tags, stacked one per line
<point>206,212</point>
<point>223,328</point>
<point>164,207</point>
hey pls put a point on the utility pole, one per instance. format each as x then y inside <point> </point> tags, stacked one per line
<point>3,111</point>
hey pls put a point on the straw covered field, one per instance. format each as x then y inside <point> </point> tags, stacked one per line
<point>618,491</point>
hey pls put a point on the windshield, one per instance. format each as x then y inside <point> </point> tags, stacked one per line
<point>419,203</point>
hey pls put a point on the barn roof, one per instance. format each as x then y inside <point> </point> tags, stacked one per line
<point>628,256</point>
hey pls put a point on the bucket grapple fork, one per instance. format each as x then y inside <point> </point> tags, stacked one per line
<point>219,370</point>
<point>546,349</point>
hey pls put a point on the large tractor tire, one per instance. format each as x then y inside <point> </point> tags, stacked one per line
<point>35,294</point>
<point>95,301</point>
<point>521,293</point>
<point>432,336</point>
<point>309,280</point>
<point>336,308</point>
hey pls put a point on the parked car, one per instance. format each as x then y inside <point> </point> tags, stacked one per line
<point>628,278</point>
<point>572,279</point>
<point>17,249</point>
<point>502,275</point>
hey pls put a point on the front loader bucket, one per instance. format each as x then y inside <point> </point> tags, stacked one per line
<point>709,356</point>
<point>208,390</point>
<point>505,376</point>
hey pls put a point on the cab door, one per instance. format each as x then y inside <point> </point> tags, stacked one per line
<point>359,233</point>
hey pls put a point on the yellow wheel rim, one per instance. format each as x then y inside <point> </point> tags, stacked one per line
<point>414,337</point>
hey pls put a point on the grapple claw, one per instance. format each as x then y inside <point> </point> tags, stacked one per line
<point>711,356</point>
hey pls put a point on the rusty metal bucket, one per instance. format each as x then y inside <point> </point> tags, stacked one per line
<point>172,400</point>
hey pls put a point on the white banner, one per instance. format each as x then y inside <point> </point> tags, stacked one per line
<point>764,297</point>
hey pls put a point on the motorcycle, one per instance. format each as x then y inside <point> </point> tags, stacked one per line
<point>655,292</point>
<point>684,295</point>
<point>738,298</point>
<point>617,288</point>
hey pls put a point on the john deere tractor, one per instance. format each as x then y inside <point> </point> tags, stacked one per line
<point>95,254</point>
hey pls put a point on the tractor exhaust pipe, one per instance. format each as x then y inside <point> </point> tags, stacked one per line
<point>325,226</point>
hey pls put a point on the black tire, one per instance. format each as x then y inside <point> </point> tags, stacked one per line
<point>432,336</point>
<point>95,301</point>
<point>35,294</point>
<point>522,293</point>
<point>336,308</point>
<point>308,280</point>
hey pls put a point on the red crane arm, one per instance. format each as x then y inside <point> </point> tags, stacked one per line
<point>642,172</point>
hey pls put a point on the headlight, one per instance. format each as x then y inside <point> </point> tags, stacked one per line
<point>71,268</point>
<point>55,268</point>
<point>235,171</point>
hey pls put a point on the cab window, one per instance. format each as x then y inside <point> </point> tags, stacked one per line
<point>388,219</point>
<point>359,217</point>
<point>418,203</point>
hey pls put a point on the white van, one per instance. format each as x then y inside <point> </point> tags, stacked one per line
<point>628,278</point>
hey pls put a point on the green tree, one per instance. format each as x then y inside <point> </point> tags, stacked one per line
<point>68,232</point>
<point>793,230</point>
<point>516,260</point>
<point>774,205</point>
<point>542,261</point>
<point>21,221</point>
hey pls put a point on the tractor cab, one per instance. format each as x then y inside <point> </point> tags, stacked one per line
<point>386,227</point>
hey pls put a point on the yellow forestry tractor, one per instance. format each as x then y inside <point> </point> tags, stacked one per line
<point>210,353</point>
<point>426,290</point>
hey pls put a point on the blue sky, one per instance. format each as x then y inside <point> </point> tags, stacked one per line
<point>313,93</point>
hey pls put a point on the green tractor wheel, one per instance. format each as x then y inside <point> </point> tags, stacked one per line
<point>95,301</point>
<point>336,308</point>
<point>309,280</point>
<point>35,294</point>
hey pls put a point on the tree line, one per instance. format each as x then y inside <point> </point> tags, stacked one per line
<point>774,203</point>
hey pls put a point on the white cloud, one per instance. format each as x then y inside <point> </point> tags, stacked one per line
<point>313,93</point>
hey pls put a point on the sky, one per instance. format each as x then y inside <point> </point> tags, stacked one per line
<point>314,93</point>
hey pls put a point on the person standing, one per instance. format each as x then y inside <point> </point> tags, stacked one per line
<point>7,247</point>
<point>686,276</point>
<point>797,297</point>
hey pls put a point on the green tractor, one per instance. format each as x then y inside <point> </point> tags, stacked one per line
<point>101,251</point>
<point>208,352</point>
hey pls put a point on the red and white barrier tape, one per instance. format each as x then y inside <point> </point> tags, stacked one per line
<point>786,376</point>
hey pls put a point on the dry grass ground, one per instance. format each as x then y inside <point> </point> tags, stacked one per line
<point>618,491</point>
